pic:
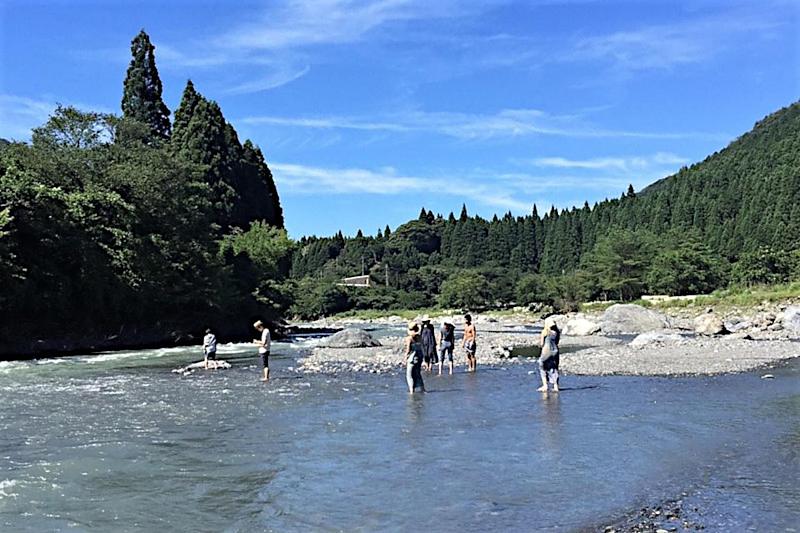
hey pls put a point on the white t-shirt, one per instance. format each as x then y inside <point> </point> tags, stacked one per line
<point>266,340</point>
<point>210,343</point>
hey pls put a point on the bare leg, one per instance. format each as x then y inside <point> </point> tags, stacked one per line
<point>451,367</point>
<point>266,374</point>
<point>555,380</point>
<point>542,375</point>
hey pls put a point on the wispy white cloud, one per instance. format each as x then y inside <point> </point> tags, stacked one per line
<point>325,123</point>
<point>313,180</point>
<point>665,46</point>
<point>625,164</point>
<point>505,123</point>
<point>18,115</point>
<point>300,23</point>
<point>272,80</point>
<point>319,180</point>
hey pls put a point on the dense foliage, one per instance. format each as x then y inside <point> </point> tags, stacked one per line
<point>733,218</point>
<point>139,229</point>
<point>113,226</point>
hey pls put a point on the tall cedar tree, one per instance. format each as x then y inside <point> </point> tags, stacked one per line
<point>243,189</point>
<point>141,96</point>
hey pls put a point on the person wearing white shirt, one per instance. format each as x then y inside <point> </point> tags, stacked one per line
<point>210,349</point>
<point>263,347</point>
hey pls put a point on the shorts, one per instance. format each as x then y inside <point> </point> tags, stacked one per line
<point>551,363</point>
<point>446,350</point>
<point>471,348</point>
<point>264,359</point>
<point>211,356</point>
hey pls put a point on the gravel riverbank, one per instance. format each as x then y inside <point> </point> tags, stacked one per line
<point>672,352</point>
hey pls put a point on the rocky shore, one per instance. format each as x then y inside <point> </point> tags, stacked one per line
<point>624,340</point>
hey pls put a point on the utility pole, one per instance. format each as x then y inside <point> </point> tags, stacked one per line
<point>387,274</point>
<point>362,265</point>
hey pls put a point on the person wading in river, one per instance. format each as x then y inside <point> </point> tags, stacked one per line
<point>209,349</point>
<point>263,347</point>
<point>413,359</point>
<point>427,339</point>
<point>469,344</point>
<point>447,343</point>
<point>548,360</point>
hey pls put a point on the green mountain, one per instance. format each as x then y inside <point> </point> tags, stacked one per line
<point>742,197</point>
<point>732,218</point>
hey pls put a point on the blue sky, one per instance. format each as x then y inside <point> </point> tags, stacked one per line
<point>369,110</point>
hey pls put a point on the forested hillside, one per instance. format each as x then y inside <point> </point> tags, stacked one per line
<point>732,218</point>
<point>131,230</point>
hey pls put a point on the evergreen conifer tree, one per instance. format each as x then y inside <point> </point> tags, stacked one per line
<point>141,97</point>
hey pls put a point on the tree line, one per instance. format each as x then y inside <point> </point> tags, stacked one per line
<point>133,229</point>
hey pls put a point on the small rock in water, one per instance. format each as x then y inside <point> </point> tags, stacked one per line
<point>767,376</point>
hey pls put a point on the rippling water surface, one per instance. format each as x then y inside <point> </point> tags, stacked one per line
<point>117,442</point>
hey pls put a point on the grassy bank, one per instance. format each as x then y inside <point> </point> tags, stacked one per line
<point>735,297</point>
<point>739,297</point>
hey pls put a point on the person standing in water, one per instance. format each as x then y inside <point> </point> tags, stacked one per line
<point>428,342</point>
<point>209,349</point>
<point>469,344</point>
<point>413,359</point>
<point>263,347</point>
<point>548,360</point>
<point>447,341</point>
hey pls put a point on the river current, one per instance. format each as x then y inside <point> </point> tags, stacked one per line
<point>116,442</point>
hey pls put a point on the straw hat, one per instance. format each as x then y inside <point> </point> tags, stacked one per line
<point>413,327</point>
<point>258,324</point>
<point>425,318</point>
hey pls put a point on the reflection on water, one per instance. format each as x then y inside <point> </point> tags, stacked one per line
<point>550,422</point>
<point>115,441</point>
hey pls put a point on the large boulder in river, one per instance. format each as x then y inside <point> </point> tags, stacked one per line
<point>558,320</point>
<point>655,337</point>
<point>349,338</point>
<point>632,318</point>
<point>709,324</point>
<point>791,320</point>
<point>581,326</point>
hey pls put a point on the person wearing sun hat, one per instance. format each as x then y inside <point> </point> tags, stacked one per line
<point>412,358</point>
<point>427,339</point>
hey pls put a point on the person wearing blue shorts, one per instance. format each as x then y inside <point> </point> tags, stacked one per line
<point>447,341</point>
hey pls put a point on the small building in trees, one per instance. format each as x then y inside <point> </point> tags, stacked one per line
<point>356,281</point>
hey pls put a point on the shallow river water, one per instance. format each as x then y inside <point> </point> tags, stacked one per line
<point>116,442</point>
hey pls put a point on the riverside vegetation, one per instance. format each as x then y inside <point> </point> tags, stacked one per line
<point>134,230</point>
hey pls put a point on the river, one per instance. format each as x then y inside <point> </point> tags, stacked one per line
<point>115,441</point>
